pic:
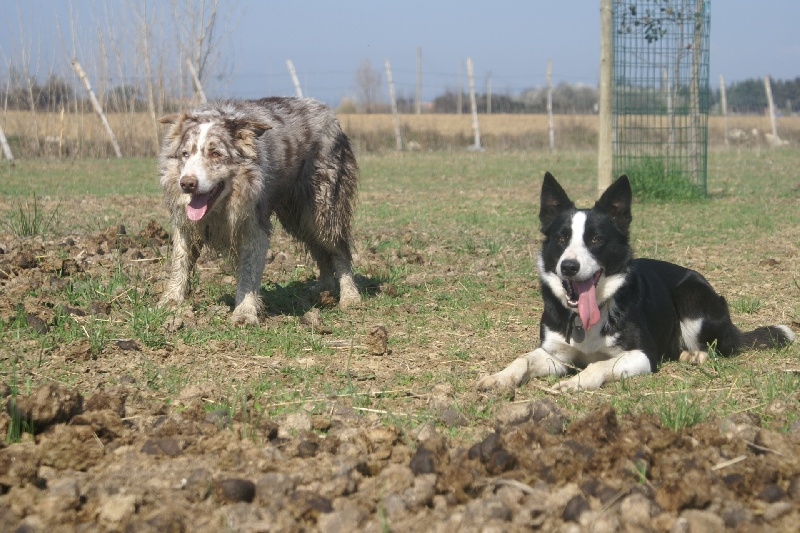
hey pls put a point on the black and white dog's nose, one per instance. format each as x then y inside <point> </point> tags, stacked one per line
<point>570,267</point>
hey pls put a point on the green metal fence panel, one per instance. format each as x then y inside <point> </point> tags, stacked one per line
<point>660,95</point>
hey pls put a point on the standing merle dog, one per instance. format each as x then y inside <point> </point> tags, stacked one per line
<point>226,167</point>
<point>613,316</point>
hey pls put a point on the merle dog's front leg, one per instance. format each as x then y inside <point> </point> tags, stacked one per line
<point>184,257</point>
<point>252,256</point>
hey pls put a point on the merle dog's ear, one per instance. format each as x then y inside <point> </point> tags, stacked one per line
<point>554,200</point>
<point>174,118</point>
<point>245,132</point>
<point>176,121</point>
<point>244,127</point>
<point>616,202</point>
<point>257,127</point>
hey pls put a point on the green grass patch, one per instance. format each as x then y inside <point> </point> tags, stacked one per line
<point>29,219</point>
<point>445,246</point>
<point>652,180</point>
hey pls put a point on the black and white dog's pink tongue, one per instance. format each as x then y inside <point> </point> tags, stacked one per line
<point>197,207</point>
<point>587,303</point>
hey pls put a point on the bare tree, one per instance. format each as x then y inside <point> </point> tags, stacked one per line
<point>145,38</point>
<point>368,86</point>
<point>201,29</point>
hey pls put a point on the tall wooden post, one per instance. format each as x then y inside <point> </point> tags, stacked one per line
<point>605,150</point>
<point>6,147</point>
<point>393,104</point>
<point>696,146</point>
<point>475,128</point>
<point>548,81</point>
<point>459,96</point>
<point>98,109</point>
<point>418,103</point>
<point>771,104</point>
<point>724,110</point>
<point>489,94</point>
<point>297,90</point>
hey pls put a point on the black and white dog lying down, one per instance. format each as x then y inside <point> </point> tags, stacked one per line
<point>611,316</point>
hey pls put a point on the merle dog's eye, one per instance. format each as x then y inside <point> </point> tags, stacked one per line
<point>216,154</point>
<point>185,154</point>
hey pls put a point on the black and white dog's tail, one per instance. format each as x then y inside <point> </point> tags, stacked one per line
<point>766,337</point>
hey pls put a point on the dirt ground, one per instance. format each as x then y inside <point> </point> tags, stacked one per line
<point>118,458</point>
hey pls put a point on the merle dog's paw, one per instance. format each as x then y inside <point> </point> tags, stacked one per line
<point>170,300</point>
<point>242,319</point>
<point>348,300</point>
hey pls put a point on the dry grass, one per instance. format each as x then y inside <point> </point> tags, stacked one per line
<point>82,135</point>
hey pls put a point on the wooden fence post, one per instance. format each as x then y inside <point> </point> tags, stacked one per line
<point>771,104</point>
<point>548,80</point>
<point>724,108</point>
<point>418,103</point>
<point>489,94</point>
<point>6,147</point>
<point>98,109</point>
<point>297,89</point>
<point>474,105</point>
<point>605,151</point>
<point>460,95</point>
<point>393,104</point>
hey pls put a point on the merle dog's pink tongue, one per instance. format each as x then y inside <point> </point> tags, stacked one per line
<point>587,303</point>
<point>197,207</point>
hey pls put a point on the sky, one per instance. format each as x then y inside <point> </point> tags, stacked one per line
<point>508,41</point>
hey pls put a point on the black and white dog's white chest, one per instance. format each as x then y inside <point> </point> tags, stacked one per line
<point>582,346</point>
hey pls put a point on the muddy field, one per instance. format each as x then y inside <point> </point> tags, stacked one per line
<point>122,417</point>
<point>118,458</point>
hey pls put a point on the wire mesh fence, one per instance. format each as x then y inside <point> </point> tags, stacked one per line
<point>660,94</point>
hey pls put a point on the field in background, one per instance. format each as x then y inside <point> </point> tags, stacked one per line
<point>445,246</point>
<point>82,135</point>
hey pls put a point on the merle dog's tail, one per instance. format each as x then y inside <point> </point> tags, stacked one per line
<point>767,337</point>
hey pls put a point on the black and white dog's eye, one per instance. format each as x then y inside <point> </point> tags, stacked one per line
<point>597,239</point>
<point>562,239</point>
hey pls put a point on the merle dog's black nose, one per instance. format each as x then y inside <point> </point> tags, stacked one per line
<point>188,183</point>
<point>570,267</point>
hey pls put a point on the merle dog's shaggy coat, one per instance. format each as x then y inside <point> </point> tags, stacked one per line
<point>226,167</point>
<point>610,316</point>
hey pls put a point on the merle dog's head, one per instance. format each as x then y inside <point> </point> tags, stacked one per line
<point>202,153</point>
<point>585,252</point>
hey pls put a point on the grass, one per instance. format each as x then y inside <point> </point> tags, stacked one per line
<point>29,220</point>
<point>445,248</point>
<point>652,181</point>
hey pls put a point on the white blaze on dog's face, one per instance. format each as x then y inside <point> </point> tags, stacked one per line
<point>576,272</point>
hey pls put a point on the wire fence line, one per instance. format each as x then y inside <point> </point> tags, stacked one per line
<point>52,116</point>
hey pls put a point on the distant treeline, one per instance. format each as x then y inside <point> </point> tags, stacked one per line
<point>20,92</point>
<point>749,96</point>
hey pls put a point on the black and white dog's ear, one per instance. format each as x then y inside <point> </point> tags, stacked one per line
<point>616,202</point>
<point>554,201</point>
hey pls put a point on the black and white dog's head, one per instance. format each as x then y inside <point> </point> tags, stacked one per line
<point>585,253</point>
